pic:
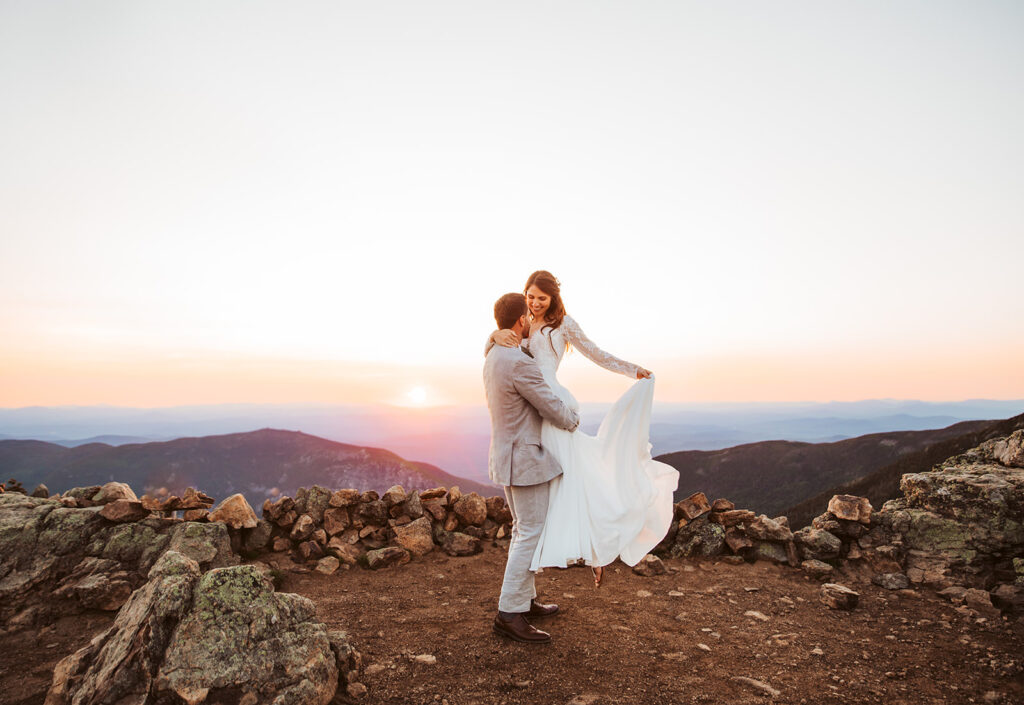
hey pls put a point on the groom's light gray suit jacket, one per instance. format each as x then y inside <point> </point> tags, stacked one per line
<point>518,397</point>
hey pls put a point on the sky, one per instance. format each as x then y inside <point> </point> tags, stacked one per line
<point>320,201</point>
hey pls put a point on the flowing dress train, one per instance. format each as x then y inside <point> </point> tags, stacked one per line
<point>612,499</point>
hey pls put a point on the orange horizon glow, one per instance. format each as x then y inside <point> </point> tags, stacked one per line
<point>149,381</point>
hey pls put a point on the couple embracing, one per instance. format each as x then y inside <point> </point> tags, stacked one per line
<point>573,497</point>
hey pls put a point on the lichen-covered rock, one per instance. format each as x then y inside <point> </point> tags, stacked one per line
<point>770,551</point>
<point>891,581</point>
<point>413,507</point>
<point>57,560</point>
<point>207,544</point>
<point>699,537</point>
<point>97,583</point>
<point>82,493</point>
<point>817,544</point>
<point>119,663</point>
<point>41,491</point>
<point>1007,451</point>
<point>241,637</point>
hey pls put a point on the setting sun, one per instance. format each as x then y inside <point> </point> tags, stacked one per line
<point>417,396</point>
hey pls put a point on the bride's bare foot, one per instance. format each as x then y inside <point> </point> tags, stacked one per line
<point>598,575</point>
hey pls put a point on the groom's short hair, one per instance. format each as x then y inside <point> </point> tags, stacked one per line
<point>508,309</point>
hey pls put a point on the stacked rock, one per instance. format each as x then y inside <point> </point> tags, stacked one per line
<point>834,535</point>
<point>346,527</point>
<point>701,528</point>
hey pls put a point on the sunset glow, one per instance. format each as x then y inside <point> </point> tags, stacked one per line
<point>769,203</point>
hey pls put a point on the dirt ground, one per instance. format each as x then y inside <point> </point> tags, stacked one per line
<point>676,638</point>
<point>684,642</point>
<point>27,658</point>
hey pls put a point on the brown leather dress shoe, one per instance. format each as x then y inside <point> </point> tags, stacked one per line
<point>518,629</point>
<point>539,609</point>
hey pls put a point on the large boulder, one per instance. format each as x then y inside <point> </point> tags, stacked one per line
<point>225,636</point>
<point>58,560</point>
<point>961,523</point>
<point>118,665</point>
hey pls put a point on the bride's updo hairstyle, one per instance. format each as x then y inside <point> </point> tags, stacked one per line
<point>546,282</point>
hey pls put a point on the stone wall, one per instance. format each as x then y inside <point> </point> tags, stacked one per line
<point>348,527</point>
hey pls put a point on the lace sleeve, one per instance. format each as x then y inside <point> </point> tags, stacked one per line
<point>574,334</point>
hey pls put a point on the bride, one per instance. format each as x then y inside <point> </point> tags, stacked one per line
<point>611,500</point>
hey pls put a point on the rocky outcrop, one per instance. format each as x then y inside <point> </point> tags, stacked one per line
<point>961,523</point>
<point>221,636</point>
<point>58,560</point>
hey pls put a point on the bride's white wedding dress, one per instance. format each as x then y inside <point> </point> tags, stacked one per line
<point>611,500</point>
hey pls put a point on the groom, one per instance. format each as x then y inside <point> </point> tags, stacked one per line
<point>518,397</point>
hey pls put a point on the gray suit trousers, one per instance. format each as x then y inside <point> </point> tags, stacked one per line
<point>529,507</point>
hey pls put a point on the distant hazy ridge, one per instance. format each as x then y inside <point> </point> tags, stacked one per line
<point>773,476</point>
<point>251,463</point>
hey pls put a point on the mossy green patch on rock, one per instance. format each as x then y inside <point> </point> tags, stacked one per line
<point>929,531</point>
<point>66,530</point>
<point>208,544</point>
<point>239,633</point>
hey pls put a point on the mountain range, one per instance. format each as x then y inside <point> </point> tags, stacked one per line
<point>258,464</point>
<point>773,476</point>
<point>457,438</point>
